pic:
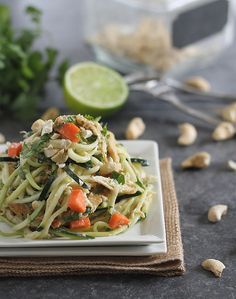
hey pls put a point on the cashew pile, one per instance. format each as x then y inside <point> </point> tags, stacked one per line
<point>199,160</point>
<point>216,212</point>
<point>135,129</point>
<point>198,83</point>
<point>214,266</point>
<point>188,134</point>
<point>224,131</point>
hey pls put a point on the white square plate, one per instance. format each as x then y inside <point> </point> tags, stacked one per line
<point>150,231</point>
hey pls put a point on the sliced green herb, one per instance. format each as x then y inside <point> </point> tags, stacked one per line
<point>90,117</point>
<point>85,165</point>
<point>69,119</point>
<point>119,177</point>
<point>75,178</point>
<point>143,162</point>
<point>76,216</point>
<point>127,196</point>
<point>8,159</point>
<point>91,139</point>
<point>139,183</point>
<point>35,148</point>
<point>63,232</point>
<point>104,130</point>
<point>44,192</point>
<point>99,157</point>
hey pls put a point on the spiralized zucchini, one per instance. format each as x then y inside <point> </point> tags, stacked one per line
<point>72,155</point>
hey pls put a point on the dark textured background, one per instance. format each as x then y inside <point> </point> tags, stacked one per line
<point>196,190</point>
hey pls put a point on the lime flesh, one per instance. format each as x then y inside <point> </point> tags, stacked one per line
<point>90,88</point>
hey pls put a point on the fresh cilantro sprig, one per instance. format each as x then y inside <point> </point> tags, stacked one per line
<point>35,148</point>
<point>23,70</point>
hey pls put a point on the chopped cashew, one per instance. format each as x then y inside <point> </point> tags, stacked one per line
<point>224,131</point>
<point>2,138</point>
<point>232,165</point>
<point>86,133</point>
<point>37,126</point>
<point>228,113</point>
<point>198,83</point>
<point>135,129</point>
<point>50,151</point>
<point>60,157</point>
<point>188,134</point>
<point>216,212</point>
<point>215,266</point>
<point>50,113</point>
<point>199,160</point>
<point>47,127</point>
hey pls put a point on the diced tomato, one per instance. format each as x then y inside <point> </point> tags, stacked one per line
<point>80,223</point>
<point>14,149</point>
<point>117,220</point>
<point>56,223</point>
<point>77,201</point>
<point>69,131</point>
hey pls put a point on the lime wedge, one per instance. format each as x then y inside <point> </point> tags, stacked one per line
<point>90,88</point>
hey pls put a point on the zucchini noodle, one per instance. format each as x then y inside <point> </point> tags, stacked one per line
<point>75,181</point>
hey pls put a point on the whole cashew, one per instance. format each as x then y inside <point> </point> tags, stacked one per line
<point>135,129</point>
<point>188,134</point>
<point>224,131</point>
<point>228,113</point>
<point>232,165</point>
<point>214,266</point>
<point>198,83</point>
<point>216,212</point>
<point>199,160</point>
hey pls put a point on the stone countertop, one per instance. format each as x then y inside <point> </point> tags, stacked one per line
<point>196,190</point>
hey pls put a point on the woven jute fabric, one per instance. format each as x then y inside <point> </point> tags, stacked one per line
<point>168,264</point>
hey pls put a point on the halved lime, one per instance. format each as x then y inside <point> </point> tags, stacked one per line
<point>94,89</point>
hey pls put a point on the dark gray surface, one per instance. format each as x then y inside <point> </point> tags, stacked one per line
<point>196,190</point>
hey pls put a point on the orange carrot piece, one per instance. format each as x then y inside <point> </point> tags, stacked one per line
<point>80,223</point>
<point>76,201</point>
<point>69,131</point>
<point>117,220</point>
<point>14,149</point>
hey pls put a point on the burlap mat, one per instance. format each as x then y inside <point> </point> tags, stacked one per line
<point>168,264</point>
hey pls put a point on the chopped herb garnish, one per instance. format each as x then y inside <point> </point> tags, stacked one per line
<point>99,157</point>
<point>63,232</point>
<point>127,196</point>
<point>8,159</point>
<point>90,117</point>
<point>76,216</point>
<point>104,130</point>
<point>44,192</point>
<point>85,165</point>
<point>92,139</point>
<point>69,119</point>
<point>119,177</point>
<point>139,183</point>
<point>35,148</point>
<point>143,162</point>
<point>75,177</point>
